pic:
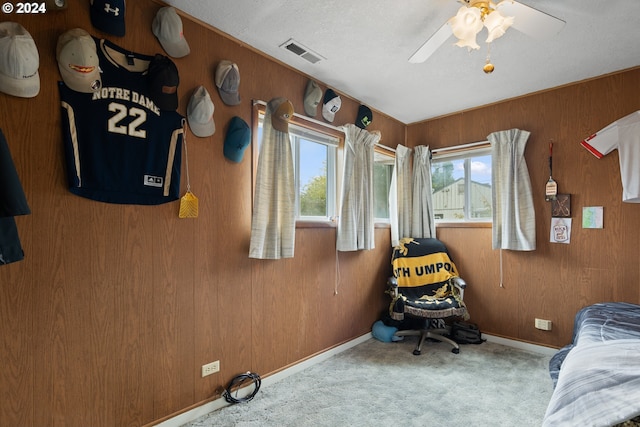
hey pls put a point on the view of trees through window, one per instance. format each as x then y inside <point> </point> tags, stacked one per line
<point>315,158</point>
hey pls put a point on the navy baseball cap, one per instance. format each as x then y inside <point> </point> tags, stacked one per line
<point>163,82</point>
<point>237,139</point>
<point>108,16</point>
<point>365,117</point>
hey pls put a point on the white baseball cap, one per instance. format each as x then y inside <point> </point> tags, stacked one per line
<point>78,61</point>
<point>228,82</point>
<point>167,27</point>
<point>19,61</point>
<point>200,113</point>
<point>312,98</point>
<point>331,106</point>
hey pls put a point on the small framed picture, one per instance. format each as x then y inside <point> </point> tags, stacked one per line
<point>561,206</point>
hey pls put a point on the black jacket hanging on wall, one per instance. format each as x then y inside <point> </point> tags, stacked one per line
<point>12,203</point>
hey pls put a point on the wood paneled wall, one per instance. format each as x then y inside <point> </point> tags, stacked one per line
<point>556,280</point>
<point>108,319</point>
<point>114,309</point>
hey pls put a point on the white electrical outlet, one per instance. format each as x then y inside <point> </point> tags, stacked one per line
<point>543,324</point>
<point>210,368</point>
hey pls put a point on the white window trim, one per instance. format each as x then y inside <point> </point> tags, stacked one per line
<point>334,165</point>
<point>465,151</point>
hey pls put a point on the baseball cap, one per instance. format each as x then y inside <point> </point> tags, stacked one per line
<point>312,97</point>
<point>365,117</point>
<point>78,61</point>
<point>237,139</point>
<point>167,27</point>
<point>108,16</point>
<point>163,82</point>
<point>331,106</point>
<point>53,5</point>
<point>228,82</point>
<point>19,61</point>
<point>281,112</point>
<point>200,113</point>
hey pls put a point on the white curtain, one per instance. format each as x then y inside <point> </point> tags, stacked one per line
<point>355,223</point>
<point>513,215</point>
<point>422,219</point>
<point>400,196</point>
<point>273,224</point>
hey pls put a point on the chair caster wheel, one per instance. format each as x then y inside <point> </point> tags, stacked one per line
<point>455,350</point>
<point>416,352</point>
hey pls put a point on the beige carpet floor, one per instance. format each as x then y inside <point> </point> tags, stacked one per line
<point>384,384</point>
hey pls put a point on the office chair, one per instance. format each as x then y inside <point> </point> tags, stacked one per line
<point>425,286</point>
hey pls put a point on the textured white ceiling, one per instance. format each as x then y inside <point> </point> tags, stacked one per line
<point>367,45</point>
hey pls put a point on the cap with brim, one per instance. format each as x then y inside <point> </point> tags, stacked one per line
<point>312,98</point>
<point>163,82</point>
<point>200,113</point>
<point>78,61</point>
<point>54,5</point>
<point>12,199</point>
<point>228,82</point>
<point>167,27</point>
<point>108,16</point>
<point>281,112</point>
<point>365,117</point>
<point>237,139</point>
<point>19,61</point>
<point>331,106</point>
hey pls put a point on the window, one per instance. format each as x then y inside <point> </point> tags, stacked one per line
<point>462,185</point>
<point>315,157</point>
<point>382,171</point>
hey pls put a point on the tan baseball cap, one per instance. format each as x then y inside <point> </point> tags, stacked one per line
<point>78,61</point>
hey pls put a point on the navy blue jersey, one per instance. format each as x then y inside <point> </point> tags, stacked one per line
<point>119,146</point>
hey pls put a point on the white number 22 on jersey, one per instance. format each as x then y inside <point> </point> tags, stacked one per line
<point>121,112</point>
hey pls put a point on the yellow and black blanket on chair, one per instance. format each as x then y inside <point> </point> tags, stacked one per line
<point>424,271</point>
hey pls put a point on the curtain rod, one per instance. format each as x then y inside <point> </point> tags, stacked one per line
<point>461,147</point>
<point>311,119</point>
<point>318,122</point>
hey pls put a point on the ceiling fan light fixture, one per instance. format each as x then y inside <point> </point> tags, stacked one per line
<point>470,20</point>
<point>466,25</point>
<point>497,25</point>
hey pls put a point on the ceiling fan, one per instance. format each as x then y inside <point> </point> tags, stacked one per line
<point>524,18</point>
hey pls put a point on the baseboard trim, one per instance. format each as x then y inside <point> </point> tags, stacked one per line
<point>521,345</point>
<point>219,403</point>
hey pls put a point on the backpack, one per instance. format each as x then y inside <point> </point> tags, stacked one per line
<point>466,333</point>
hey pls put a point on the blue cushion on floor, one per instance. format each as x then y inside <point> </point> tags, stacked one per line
<point>384,333</point>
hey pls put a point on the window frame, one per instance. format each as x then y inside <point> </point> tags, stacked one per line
<point>466,152</point>
<point>314,126</point>
<point>381,150</point>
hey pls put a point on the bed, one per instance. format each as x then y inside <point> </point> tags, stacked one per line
<point>596,378</point>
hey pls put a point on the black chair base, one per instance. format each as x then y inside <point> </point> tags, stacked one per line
<point>424,334</point>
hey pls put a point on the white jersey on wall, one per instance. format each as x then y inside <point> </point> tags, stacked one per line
<point>624,135</point>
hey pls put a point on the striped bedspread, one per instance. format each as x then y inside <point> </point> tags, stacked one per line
<point>597,377</point>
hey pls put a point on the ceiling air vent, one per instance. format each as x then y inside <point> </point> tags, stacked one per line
<point>300,50</point>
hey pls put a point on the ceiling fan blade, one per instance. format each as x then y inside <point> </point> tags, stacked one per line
<point>531,21</point>
<point>431,45</point>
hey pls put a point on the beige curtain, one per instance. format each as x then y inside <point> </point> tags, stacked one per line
<point>400,196</point>
<point>422,219</point>
<point>356,220</point>
<point>273,224</point>
<point>514,223</point>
